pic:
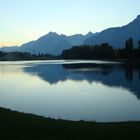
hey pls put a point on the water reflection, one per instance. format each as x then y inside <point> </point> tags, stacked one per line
<point>116,75</point>
<point>95,91</point>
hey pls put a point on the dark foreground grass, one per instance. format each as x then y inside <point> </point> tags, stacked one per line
<point>20,126</point>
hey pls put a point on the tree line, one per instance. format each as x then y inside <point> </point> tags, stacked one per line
<point>103,51</point>
<point>26,56</point>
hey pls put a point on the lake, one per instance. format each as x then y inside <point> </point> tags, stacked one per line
<point>101,91</point>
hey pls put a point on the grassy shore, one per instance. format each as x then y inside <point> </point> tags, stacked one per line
<point>21,126</point>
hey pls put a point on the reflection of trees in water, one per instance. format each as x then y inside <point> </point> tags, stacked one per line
<point>129,73</point>
<point>139,73</point>
<point>128,76</point>
<point>117,75</point>
<point>106,69</point>
<point>102,69</point>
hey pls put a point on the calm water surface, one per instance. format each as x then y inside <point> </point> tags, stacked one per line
<point>74,90</point>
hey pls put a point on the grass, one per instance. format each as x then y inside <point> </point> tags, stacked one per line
<point>21,126</point>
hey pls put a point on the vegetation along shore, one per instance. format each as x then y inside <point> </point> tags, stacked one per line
<point>21,126</point>
<point>103,52</point>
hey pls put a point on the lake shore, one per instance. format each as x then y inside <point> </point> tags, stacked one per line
<point>15,125</point>
<point>18,56</point>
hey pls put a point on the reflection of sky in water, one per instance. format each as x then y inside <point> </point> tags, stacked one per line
<point>72,94</point>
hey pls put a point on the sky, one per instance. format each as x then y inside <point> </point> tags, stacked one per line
<point>26,20</point>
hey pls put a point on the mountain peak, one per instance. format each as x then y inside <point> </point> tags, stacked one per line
<point>52,34</point>
<point>135,22</point>
<point>138,18</point>
<point>89,33</point>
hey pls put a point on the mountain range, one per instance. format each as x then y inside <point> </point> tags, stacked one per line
<point>53,43</point>
<point>116,37</point>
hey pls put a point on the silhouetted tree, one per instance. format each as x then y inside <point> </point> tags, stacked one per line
<point>129,44</point>
<point>139,44</point>
<point>2,54</point>
<point>128,48</point>
<point>88,52</point>
<point>105,50</point>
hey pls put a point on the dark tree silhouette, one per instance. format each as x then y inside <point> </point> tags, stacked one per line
<point>2,54</point>
<point>89,52</point>
<point>129,48</point>
<point>139,44</point>
<point>129,44</point>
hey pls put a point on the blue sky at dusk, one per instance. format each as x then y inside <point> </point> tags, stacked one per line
<point>25,20</point>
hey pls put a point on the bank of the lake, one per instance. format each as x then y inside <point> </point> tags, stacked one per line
<point>21,126</point>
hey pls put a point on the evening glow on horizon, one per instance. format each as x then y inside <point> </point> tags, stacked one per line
<point>26,20</point>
